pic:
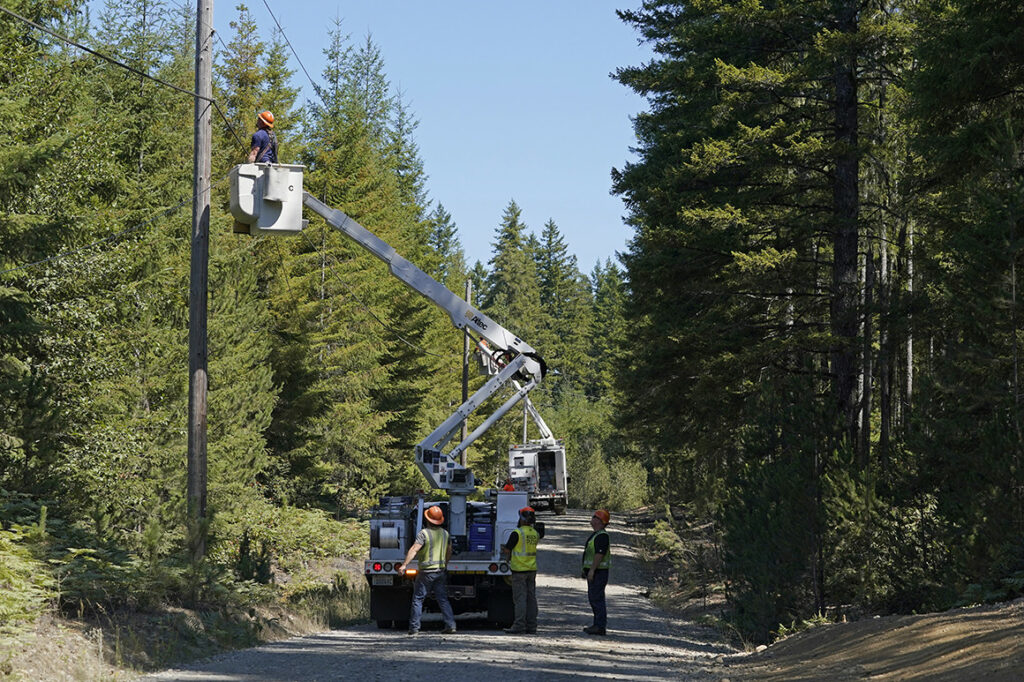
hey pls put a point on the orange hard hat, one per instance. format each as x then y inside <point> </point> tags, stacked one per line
<point>434,515</point>
<point>603,515</point>
<point>526,510</point>
<point>267,118</point>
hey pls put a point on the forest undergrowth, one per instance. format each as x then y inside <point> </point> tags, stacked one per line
<point>73,608</point>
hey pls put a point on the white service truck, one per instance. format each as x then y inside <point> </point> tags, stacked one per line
<point>537,467</point>
<point>267,199</point>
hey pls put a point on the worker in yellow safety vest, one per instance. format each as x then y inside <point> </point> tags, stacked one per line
<point>597,559</point>
<point>432,550</point>
<point>521,546</point>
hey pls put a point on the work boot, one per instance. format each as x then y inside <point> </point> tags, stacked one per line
<point>515,631</point>
<point>591,630</point>
<point>414,632</point>
<point>448,630</point>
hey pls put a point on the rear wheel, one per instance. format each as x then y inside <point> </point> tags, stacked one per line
<point>558,508</point>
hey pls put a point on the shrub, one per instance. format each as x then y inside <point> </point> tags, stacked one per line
<point>25,582</point>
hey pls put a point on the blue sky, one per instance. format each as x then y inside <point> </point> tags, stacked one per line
<point>513,99</point>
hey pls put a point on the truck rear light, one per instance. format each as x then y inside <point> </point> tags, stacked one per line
<point>410,573</point>
<point>493,568</point>
<point>376,566</point>
<point>387,566</point>
<point>503,567</point>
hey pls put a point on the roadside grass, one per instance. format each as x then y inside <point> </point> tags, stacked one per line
<point>72,609</point>
<point>682,558</point>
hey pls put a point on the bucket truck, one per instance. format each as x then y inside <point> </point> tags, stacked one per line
<point>267,199</point>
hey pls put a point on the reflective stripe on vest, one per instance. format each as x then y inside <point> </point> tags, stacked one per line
<point>432,554</point>
<point>588,553</point>
<point>524,554</point>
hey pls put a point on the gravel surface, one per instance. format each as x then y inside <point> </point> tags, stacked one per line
<point>643,643</point>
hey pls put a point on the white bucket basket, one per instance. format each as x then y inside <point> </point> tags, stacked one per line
<point>267,198</point>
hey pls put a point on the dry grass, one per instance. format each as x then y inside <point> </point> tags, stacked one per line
<point>119,645</point>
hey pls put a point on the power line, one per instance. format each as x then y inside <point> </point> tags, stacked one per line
<point>316,88</point>
<point>126,67</point>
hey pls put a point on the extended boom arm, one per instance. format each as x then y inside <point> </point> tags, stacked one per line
<point>443,469</point>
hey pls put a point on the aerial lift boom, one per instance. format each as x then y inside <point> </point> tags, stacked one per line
<point>263,201</point>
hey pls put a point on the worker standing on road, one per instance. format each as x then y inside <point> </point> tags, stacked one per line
<point>263,148</point>
<point>597,558</point>
<point>508,487</point>
<point>432,549</point>
<point>522,547</point>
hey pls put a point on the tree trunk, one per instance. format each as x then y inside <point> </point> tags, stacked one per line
<point>867,364</point>
<point>846,206</point>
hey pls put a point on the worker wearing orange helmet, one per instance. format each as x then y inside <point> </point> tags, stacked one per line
<point>263,148</point>
<point>521,547</point>
<point>432,550</point>
<point>597,559</point>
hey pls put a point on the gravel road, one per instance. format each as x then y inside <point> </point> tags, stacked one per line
<point>643,643</point>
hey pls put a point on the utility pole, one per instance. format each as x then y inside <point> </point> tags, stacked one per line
<point>197,300</point>
<point>464,457</point>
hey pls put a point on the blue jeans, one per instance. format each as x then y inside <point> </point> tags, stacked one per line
<point>595,593</point>
<point>435,582</point>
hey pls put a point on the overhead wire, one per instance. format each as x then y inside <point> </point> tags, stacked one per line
<point>160,81</point>
<point>127,67</point>
<point>334,274</point>
<point>316,88</point>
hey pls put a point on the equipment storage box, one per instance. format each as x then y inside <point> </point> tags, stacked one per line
<point>481,537</point>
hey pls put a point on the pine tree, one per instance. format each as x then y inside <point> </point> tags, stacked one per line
<point>746,299</point>
<point>968,110</point>
<point>444,242</point>
<point>512,292</point>
<point>37,97</point>
<point>608,340</point>
<point>566,301</point>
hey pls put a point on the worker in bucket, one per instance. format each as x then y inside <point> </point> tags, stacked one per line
<point>432,550</point>
<point>597,558</point>
<point>263,148</point>
<point>521,546</point>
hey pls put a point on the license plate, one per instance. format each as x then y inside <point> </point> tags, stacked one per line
<point>382,580</point>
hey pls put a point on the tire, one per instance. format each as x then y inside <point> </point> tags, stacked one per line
<point>558,508</point>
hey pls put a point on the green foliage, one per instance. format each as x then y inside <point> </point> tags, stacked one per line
<point>770,529</point>
<point>797,627</point>
<point>25,585</point>
<point>333,605</point>
<point>289,536</point>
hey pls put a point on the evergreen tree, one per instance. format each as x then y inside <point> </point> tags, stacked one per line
<point>511,292</point>
<point>566,301</point>
<point>38,97</point>
<point>968,109</point>
<point>444,241</point>
<point>608,341</point>
<point>239,81</point>
<point>745,293</point>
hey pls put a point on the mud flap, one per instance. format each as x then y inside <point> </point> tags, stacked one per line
<point>500,609</point>
<point>390,604</point>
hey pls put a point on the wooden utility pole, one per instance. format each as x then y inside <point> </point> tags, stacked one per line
<point>464,457</point>
<point>197,302</point>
